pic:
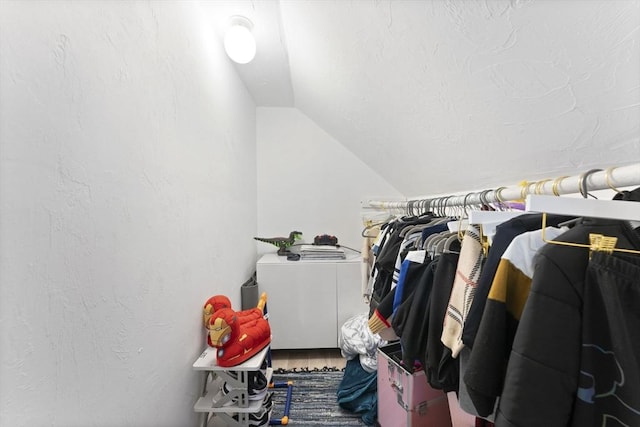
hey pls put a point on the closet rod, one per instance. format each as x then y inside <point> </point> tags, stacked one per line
<point>609,178</point>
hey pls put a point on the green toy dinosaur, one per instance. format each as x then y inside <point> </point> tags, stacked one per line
<point>283,243</point>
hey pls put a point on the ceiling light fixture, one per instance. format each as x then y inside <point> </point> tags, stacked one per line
<point>238,41</point>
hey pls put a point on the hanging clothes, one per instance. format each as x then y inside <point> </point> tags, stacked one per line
<point>505,233</point>
<point>387,253</point>
<point>388,264</point>
<point>549,334</point>
<point>411,320</point>
<point>441,368</point>
<point>410,272</point>
<point>411,266</point>
<point>369,240</point>
<point>484,370</point>
<point>463,290</point>
<point>574,360</point>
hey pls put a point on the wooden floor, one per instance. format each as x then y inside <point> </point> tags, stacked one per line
<point>316,358</point>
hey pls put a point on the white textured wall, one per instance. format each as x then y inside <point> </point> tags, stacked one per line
<point>472,94</point>
<point>308,181</point>
<point>127,197</point>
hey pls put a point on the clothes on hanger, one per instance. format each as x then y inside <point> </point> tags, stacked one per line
<point>412,267</point>
<point>388,273</point>
<point>413,257</point>
<point>463,290</point>
<point>484,371</point>
<point>539,334</point>
<point>441,368</point>
<point>505,233</point>
<point>411,321</point>
<point>385,263</point>
<point>574,360</point>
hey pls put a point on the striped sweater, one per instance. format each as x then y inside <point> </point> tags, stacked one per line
<point>463,291</point>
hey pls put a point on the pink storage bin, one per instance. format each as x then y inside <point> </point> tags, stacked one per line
<point>405,399</point>
<point>459,418</point>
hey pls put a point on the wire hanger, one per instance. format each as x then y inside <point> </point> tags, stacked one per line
<point>598,242</point>
<point>465,215</point>
<point>613,209</point>
<point>370,225</point>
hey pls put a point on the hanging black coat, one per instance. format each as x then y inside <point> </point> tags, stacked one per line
<point>574,360</point>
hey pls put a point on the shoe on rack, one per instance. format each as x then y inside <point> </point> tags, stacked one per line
<point>267,403</point>
<point>257,419</point>
<point>257,388</point>
<point>263,369</point>
<point>258,382</point>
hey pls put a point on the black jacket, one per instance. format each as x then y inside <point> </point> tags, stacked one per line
<point>574,360</point>
<point>505,233</point>
<point>411,321</point>
<point>441,368</point>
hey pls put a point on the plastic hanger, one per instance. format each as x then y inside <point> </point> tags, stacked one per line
<point>492,217</point>
<point>433,243</point>
<point>458,226</point>
<point>427,241</point>
<point>450,241</point>
<point>442,243</point>
<point>594,208</point>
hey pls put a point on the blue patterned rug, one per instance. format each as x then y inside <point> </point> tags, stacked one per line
<point>314,400</point>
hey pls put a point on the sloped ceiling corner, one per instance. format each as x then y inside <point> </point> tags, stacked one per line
<point>443,96</point>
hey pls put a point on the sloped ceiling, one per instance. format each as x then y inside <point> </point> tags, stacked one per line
<point>450,95</point>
